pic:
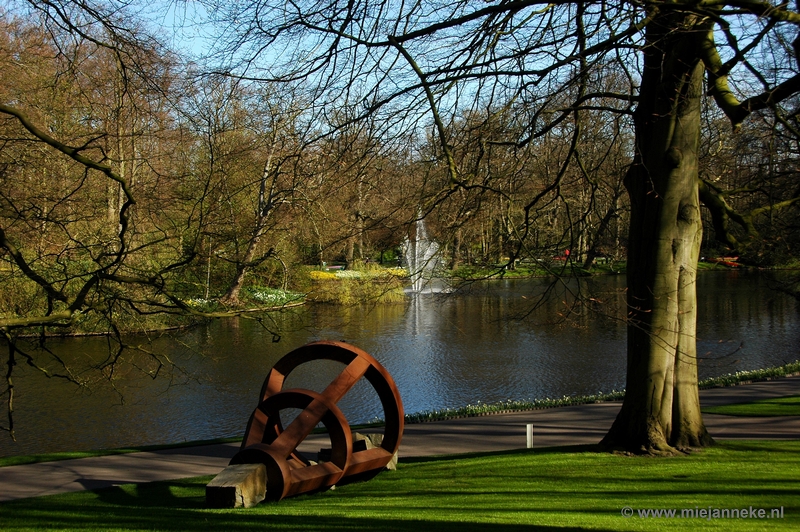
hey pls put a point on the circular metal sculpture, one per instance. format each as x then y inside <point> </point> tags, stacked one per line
<point>267,442</point>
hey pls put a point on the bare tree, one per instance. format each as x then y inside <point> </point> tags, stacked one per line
<point>92,237</point>
<point>249,150</point>
<point>419,65</point>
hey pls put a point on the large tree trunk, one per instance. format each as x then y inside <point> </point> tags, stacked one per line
<point>661,410</point>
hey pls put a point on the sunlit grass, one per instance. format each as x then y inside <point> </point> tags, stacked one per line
<point>778,406</point>
<point>554,489</point>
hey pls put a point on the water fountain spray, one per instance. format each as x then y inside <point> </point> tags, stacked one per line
<point>421,256</point>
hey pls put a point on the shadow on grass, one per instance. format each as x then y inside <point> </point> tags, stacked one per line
<point>175,506</point>
<point>192,522</point>
<point>453,493</point>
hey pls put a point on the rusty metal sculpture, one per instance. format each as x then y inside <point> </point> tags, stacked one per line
<point>267,442</point>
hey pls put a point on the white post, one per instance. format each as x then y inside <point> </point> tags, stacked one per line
<point>530,435</point>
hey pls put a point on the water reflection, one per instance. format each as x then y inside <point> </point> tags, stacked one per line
<point>489,343</point>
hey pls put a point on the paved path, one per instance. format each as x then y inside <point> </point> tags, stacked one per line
<point>573,425</point>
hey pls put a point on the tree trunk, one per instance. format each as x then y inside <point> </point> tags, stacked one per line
<point>594,247</point>
<point>231,297</point>
<point>661,410</point>
<point>349,253</point>
<point>456,258</point>
<point>266,203</point>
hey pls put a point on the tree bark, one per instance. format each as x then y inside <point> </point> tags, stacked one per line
<point>455,261</point>
<point>231,297</point>
<point>267,201</point>
<point>661,410</point>
<point>594,247</point>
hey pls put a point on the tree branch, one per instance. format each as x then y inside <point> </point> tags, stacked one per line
<point>74,153</point>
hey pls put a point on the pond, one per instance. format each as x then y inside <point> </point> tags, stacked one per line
<point>494,341</point>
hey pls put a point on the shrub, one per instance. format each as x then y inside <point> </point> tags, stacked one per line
<point>318,275</point>
<point>351,287</point>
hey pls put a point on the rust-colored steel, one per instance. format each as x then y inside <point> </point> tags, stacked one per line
<point>267,441</point>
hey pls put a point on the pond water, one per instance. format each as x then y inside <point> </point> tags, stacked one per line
<point>494,341</point>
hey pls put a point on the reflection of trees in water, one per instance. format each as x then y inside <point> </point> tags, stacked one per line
<point>786,282</point>
<point>744,322</point>
<point>571,301</point>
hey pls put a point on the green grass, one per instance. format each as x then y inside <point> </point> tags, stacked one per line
<point>779,406</point>
<point>554,489</point>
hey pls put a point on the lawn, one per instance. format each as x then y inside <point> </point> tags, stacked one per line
<point>778,406</point>
<point>555,489</point>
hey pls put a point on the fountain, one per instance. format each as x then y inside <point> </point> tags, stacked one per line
<point>421,256</point>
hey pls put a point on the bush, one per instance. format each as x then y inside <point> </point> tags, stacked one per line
<point>351,287</point>
<point>318,275</point>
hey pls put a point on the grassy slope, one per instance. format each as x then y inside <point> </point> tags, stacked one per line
<point>556,489</point>
<point>779,406</point>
